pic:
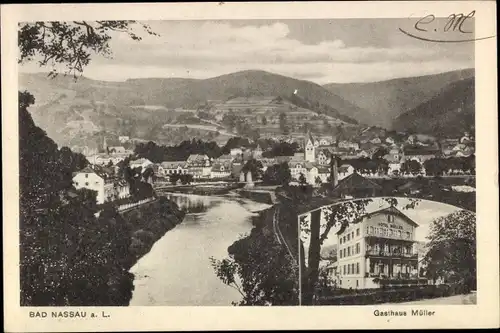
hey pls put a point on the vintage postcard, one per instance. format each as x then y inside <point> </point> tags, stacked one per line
<point>236,166</point>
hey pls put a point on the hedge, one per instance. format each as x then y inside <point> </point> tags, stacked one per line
<point>392,295</point>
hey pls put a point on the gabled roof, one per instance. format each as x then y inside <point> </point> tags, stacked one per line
<point>102,172</point>
<point>196,157</point>
<point>140,161</point>
<point>389,210</point>
<point>173,164</point>
<point>219,167</point>
<point>356,181</point>
<point>225,157</point>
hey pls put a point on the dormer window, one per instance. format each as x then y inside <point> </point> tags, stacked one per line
<point>390,218</point>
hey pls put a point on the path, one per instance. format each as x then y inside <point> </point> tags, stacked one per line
<point>451,300</point>
<point>279,234</point>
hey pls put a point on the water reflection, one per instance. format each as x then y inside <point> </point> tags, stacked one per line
<point>192,203</point>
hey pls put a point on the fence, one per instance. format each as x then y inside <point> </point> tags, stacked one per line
<point>130,205</point>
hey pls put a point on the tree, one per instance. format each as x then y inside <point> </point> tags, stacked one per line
<point>283,123</point>
<point>380,153</point>
<point>452,249</point>
<point>174,178</point>
<point>411,167</point>
<point>255,168</point>
<point>318,230</point>
<point>70,43</point>
<point>260,269</point>
<point>186,179</point>
<point>68,257</point>
<point>277,174</point>
<point>302,179</point>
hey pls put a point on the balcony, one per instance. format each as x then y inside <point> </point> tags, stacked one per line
<point>393,254</point>
<point>396,276</point>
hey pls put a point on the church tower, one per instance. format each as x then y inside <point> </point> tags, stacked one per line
<point>310,153</point>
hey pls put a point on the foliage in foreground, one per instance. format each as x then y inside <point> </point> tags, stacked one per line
<point>260,269</point>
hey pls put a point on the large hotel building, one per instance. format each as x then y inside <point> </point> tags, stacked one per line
<point>376,249</point>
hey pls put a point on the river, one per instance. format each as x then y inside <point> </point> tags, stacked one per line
<point>177,270</point>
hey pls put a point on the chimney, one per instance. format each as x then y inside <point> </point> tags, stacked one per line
<point>334,172</point>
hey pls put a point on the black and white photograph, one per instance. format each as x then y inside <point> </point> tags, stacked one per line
<point>264,162</point>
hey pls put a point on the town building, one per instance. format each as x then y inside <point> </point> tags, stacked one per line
<point>103,181</point>
<point>105,159</point>
<point>118,150</point>
<point>220,171</point>
<point>310,149</point>
<point>356,186</point>
<point>168,168</point>
<point>376,249</point>
<point>257,152</point>
<point>124,138</point>
<point>420,154</point>
<point>143,163</point>
<point>236,151</point>
<point>345,170</point>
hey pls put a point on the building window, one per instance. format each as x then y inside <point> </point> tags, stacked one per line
<point>371,230</point>
<point>357,248</point>
<point>344,269</point>
<point>407,235</point>
<point>390,218</point>
<point>349,251</point>
<point>352,235</point>
<point>341,241</point>
<point>357,283</point>
<point>348,237</point>
<point>86,175</point>
<point>340,254</point>
<point>357,232</point>
<point>87,184</point>
<point>357,268</point>
<point>348,269</point>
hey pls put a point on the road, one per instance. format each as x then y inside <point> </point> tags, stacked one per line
<point>279,235</point>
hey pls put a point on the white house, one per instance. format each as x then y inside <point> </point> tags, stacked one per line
<point>323,157</point>
<point>345,170</point>
<point>168,168</point>
<point>324,142</point>
<point>236,151</point>
<point>118,150</point>
<point>220,171</point>
<point>102,181</point>
<point>141,162</point>
<point>123,138</point>
<point>389,140</point>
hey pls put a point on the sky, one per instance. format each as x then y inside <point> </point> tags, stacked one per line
<point>322,51</point>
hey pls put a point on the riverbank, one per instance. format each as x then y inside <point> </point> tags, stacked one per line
<point>259,196</point>
<point>200,189</point>
<point>177,270</point>
<point>135,233</point>
<point>149,223</point>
